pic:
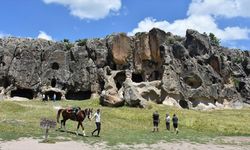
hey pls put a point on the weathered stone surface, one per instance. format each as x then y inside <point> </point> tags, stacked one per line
<point>121,48</point>
<point>161,67</point>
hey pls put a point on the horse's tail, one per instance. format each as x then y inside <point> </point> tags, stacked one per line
<point>58,114</point>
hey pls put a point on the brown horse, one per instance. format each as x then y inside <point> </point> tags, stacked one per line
<point>79,117</point>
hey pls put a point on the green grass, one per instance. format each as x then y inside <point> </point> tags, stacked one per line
<point>123,124</point>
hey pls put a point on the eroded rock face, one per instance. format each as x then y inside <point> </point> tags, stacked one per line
<point>185,72</point>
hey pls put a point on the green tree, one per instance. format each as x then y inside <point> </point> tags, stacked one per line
<point>213,39</point>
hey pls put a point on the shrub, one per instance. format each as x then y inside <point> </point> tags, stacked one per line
<point>213,39</point>
<point>81,42</point>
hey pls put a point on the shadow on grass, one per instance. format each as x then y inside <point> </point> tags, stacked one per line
<point>71,132</point>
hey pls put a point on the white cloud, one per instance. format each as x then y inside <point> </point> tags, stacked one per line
<point>2,35</point>
<point>201,21</point>
<point>43,35</point>
<point>224,8</point>
<point>89,9</point>
<point>149,23</point>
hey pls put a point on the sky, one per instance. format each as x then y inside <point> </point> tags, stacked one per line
<point>56,20</point>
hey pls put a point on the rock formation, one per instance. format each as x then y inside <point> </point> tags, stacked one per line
<point>187,72</point>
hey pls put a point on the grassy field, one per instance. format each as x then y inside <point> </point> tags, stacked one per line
<point>122,125</point>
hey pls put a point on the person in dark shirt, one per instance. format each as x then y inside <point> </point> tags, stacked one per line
<point>175,123</point>
<point>156,120</point>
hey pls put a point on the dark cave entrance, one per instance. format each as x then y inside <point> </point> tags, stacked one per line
<point>137,78</point>
<point>119,79</point>
<point>156,75</point>
<point>80,95</point>
<point>4,82</point>
<point>183,104</point>
<point>26,93</point>
<point>50,95</point>
<point>53,82</point>
<point>55,66</point>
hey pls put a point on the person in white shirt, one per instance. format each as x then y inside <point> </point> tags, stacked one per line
<point>97,117</point>
<point>168,119</point>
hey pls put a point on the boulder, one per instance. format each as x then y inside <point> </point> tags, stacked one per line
<point>196,43</point>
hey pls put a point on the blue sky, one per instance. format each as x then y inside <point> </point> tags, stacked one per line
<point>78,19</point>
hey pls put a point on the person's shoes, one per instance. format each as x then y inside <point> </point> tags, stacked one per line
<point>177,132</point>
<point>97,135</point>
<point>92,133</point>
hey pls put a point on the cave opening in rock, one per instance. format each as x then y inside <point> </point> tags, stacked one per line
<point>183,104</point>
<point>50,95</point>
<point>137,78</point>
<point>119,79</point>
<point>55,66</point>
<point>80,95</point>
<point>193,80</point>
<point>26,93</point>
<point>4,82</point>
<point>53,82</point>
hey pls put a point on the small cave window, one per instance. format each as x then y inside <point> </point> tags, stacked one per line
<point>53,82</point>
<point>119,79</point>
<point>137,78</point>
<point>2,64</point>
<point>55,66</point>
<point>50,95</point>
<point>80,95</point>
<point>26,93</point>
<point>183,104</point>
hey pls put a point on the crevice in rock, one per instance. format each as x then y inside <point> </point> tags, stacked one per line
<point>80,95</point>
<point>155,75</point>
<point>72,57</point>
<point>26,93</point>
<point>119,79</point>
<point>137,78</point>
<point>53,82</point>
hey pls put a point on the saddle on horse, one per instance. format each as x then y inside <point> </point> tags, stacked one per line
<point>73,110</point>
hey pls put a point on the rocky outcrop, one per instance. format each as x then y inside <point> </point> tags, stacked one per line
<point>187,72</point>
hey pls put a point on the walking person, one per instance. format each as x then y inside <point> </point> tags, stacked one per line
<point>156,121</point>
<point>168,122</point>
<point>97,117</point>
<point>175,123</point>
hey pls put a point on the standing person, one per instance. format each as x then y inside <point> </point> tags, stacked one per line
<point>43,97</point>
<point>167,122</point>
<point>175,123</point>
<point>97,117</point>
<point>156,120</point>
<point>54,97</point>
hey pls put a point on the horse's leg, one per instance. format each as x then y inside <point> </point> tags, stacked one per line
<point>64,124</point>
<point>61,124</point>
<point>83,131</point>
<point>77,128</point>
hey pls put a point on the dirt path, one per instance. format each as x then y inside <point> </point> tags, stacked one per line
<point>233,143</point>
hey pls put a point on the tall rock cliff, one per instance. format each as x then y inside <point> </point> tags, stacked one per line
<point>187,72</point>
